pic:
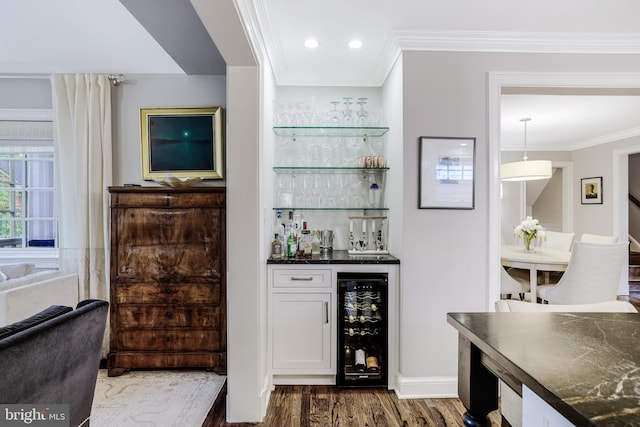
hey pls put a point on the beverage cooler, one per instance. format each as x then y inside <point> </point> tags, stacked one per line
<point>362,330</point>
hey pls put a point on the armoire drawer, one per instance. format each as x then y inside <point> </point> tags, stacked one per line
<point>167,293</point>
<point>168,339</point>
<point>167,316</point>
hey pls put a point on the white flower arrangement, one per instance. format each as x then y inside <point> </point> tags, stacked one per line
<point>528,230</point>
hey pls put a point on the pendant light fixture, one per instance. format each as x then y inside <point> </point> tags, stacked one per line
<point>526,170</point>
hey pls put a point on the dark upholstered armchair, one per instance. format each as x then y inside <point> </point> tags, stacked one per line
<point>53,358</point>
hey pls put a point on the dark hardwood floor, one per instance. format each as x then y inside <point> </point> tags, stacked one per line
<point>328,406</point>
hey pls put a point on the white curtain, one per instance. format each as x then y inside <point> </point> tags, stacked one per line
<point>82,137</point>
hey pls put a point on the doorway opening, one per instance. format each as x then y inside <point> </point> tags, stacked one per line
<point>497,82</point>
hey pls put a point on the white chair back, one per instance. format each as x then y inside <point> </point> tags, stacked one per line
<point>509,285</point>
<point>598,307</point>
<point>559,241</point>
<point>596,238</point>
<point>593,275</point>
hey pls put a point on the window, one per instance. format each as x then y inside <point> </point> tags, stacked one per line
<point>28,218</point>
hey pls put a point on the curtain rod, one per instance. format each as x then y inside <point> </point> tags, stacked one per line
<point>26,76</point>
<point>115,79</point>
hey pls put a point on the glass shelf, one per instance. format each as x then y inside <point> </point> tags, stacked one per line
<point>326,169</point>
<point>328,209</point>
<point>368,131</point>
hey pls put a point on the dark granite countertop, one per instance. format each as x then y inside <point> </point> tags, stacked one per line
<point>585,365</point>
<point>338,257</point>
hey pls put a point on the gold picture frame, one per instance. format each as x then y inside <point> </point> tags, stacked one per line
<point>183,142</point>
<point>591,193</point>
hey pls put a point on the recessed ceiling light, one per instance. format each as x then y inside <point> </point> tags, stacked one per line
<point>355,44</point>
<point>311,43</point>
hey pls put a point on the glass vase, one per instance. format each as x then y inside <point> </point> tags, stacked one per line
<point>528,243</point>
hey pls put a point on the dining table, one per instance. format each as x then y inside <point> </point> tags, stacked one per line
<point>539,259</point>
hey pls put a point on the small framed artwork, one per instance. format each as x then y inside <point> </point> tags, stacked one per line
<point>447,173</point>
<point>591,190</point>
<point>183,142</point>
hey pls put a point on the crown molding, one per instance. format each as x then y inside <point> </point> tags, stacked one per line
<point>249,15</point>
<point>390,54</point>
<point>604,139</point>
<point>270,40</point>
<point>519,42</point>
<point>443,41</point>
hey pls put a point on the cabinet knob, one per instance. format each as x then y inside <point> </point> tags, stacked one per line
<point>168,314</point>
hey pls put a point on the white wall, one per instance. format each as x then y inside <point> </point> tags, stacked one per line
<point>269,92</point>
<point>548,206</point>
<point>245,279</point>
<point>445,263</point>
<point>593,162</point>
<point>154,90</point>
<point>393,103</point>
<point>25,93</point>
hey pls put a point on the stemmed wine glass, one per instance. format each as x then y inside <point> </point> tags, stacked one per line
<point>348,118</point>
<point>335,115</point>
<point>362,113</point>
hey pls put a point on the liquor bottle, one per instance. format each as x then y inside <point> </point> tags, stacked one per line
<point>279,228</point>
<point>276,247</point>
<point>306,242</point>
<point>292,246</point>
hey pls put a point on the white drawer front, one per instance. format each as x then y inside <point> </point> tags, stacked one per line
<point>307,278</point>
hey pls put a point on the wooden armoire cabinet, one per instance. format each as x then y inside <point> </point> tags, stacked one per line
<point>168,284</point>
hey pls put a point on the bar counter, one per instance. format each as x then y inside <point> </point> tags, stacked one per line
<point>338,257</point>
<point>584,365</point>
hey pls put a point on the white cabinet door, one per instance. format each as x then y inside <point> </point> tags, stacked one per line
<point>538,413</point>
<point>301,328</point>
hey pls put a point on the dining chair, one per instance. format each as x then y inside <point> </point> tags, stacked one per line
<point>593,275</point>
<point>558,240</point>
<point>510,285</point>
<point>597,238</point>
<point>553,240</point>
<point>510,401</point>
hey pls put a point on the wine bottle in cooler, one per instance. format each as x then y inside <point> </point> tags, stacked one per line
<point>360,356</point>
<point>373,359</point>
<point>348,355</point>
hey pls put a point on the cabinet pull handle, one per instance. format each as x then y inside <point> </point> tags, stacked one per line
<point>307,279</point>
<point>326,312</point>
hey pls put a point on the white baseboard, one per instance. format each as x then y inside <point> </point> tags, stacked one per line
<point>304,380</point>
<point>426,387</point>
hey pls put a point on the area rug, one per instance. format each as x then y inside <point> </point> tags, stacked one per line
<point>163,398</point>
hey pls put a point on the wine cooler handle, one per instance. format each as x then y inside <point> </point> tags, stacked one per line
<point>307,279</point>
<point>326,312</point>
